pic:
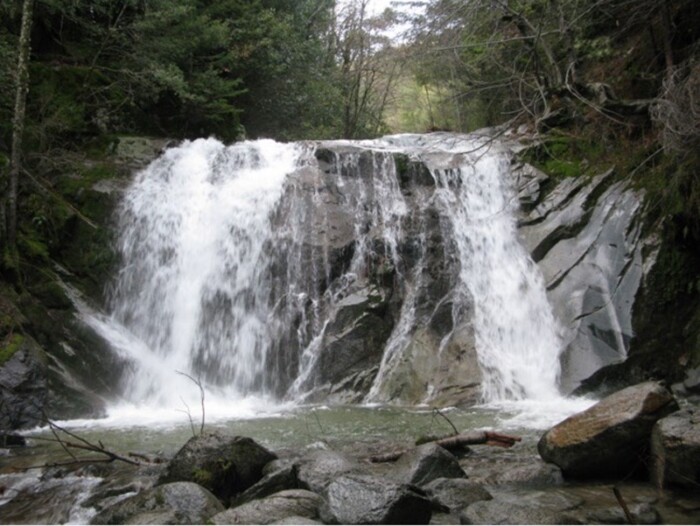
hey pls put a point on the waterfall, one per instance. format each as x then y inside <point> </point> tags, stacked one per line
<point>304,271</point>
<point>194,234</point>
<point>516,334</point>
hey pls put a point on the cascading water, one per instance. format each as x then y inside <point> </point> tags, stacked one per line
<point>516,333</point>
<point>192,289</point>
<point>318,271</point>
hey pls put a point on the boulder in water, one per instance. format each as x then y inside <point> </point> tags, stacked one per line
<point>611,438</point>
<point>225,465</point>
<point>675,449</point>
<point>368,499</point>
<point>276,507</point>
<point>176,503</point>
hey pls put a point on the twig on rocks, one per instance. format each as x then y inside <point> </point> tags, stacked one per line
<point>623,505</point>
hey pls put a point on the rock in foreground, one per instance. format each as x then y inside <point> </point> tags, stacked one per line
<point>366,499</point>
<point>225,465</point>
<point>675,448</point>
<point>276,507</point>
<point>176,503</point>
<point>610,438</point>
<point>426,463</point>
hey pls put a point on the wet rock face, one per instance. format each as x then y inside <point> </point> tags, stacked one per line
<point>610,439</point>
<point>586,237</point>
<point>374,263</point>
<point>368,499</point>
<point>223,464</point>
<point>23,387</point>
<point>176,503</point>
<point>406,305</point>
<point>276,507</point>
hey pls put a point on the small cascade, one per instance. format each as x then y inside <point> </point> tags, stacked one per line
<point>517,337</point>
<point>337,271</point>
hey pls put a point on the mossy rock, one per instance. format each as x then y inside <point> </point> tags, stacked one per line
<point>23,383</point>
<point>10,347</point>
<point>225,465</point>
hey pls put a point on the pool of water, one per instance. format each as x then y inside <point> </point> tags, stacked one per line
<point>163,432</point>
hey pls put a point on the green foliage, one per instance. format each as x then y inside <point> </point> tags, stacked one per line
<point>560,156</point>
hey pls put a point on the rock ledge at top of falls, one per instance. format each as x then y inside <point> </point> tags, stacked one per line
<point>225,465</point>
<point>611,438</point>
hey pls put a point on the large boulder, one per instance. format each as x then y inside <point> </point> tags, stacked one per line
<point>225,465</point>
<point>368,499</point>
<point>274,508</point>
<point>611,438</point>
<point>176,503</point>
<point>675,449</point>
<point>426,463</point>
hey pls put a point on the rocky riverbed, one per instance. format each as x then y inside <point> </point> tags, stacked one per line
<point>222,478</point>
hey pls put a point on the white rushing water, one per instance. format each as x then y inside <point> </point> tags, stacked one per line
<point>191,296</point>
<point>516,334</point>
<point>217,265</point>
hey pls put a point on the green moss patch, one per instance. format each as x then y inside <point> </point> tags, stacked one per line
<point>9,349</point>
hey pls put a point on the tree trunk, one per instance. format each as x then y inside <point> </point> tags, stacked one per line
<point>18,121</point>
<point>667,38</point>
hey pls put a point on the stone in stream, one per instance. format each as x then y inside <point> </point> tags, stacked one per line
<point>368,499</point>
<point>611,438</point>
<point>675,449</point>
<point>318,468</point>
<point>274,481</point>
<point>455,494</point>
<point>225,465</point>
<point>537,507</point>
<point>426,463</point>
<point>175,503</point>
<point>276,507</point>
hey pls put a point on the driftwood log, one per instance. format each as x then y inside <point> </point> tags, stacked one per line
<point>488,438</point>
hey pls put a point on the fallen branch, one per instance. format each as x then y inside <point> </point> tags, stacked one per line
<point>84,445</point>
<point>488,438</point>
<point>623,505</point>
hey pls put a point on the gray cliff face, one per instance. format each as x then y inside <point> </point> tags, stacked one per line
<point>586,237</point>
<point>584,234</point>
<point>376,265</point>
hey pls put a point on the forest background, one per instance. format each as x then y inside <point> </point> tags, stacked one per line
<point>605,81</point>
